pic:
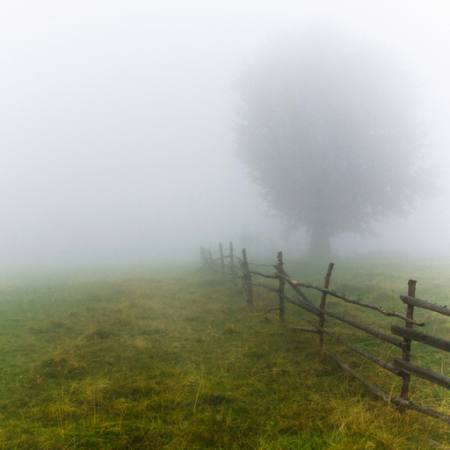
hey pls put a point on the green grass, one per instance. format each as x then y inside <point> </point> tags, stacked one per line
<point>178,362</point>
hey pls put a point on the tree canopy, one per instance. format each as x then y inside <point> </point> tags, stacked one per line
<point>326,128</point>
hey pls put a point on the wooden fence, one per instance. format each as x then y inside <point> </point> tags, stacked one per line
<point>400,336</point>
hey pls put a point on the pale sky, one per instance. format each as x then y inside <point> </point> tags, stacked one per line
<point>117,140</point>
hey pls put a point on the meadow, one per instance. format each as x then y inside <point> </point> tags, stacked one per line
<point>175,360</point>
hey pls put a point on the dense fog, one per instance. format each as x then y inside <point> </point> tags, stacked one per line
<point>118,119</point>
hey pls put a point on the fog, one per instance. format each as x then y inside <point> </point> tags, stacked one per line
<point>118,126</point>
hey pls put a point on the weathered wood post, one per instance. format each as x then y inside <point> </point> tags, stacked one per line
<point>210,260</point>
<point>233,274</point>
<point>323,304</point>
<point>247,280</point>
<point>222,259</point>
<point>203,257</point>
<point>281,285</point>
<point>406,354</point>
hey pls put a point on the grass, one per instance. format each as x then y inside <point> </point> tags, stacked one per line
<point>177,362</point>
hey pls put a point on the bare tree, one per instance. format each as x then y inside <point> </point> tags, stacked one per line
<point>326,128</point>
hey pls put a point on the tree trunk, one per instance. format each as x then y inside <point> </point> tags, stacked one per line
<point>319,245</point>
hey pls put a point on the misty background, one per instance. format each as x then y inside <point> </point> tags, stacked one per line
<point>117,140</point>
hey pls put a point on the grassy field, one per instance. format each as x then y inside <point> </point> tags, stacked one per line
<point>177,362</point>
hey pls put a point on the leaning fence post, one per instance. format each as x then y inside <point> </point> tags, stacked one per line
<point>281,285</point>
<point>222,259</point>
<point>323,303</point>
<point>247,280</point>
<point>406,354</point>
<point>232,261</point>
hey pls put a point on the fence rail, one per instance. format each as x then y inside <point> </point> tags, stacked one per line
<point>414,335</point>
<point>425,304</point>
<point>400,336</point>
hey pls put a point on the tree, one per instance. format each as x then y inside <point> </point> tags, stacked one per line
<point>326,128</point>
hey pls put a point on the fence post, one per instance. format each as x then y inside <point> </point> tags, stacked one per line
<point>222,259</point>
<point>323,303</point>
<point>232,261</point>
<point>203,256</point>
<point>210,259</point>
<point>406,354</point>
<point>247,280</point>
<point>281,285</point>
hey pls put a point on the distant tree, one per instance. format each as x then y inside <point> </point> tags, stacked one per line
<point>326,128</point>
